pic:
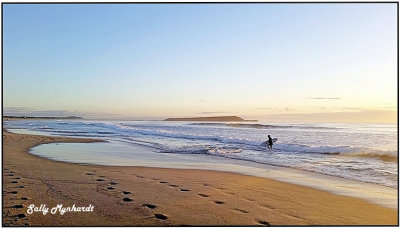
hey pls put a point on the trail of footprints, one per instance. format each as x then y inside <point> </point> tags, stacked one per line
<point>18,219</point>
<point>162,182</point>
<point>152,206</point>
<point>218,202</point>
<point>126,198</point>
<point>111,187</point>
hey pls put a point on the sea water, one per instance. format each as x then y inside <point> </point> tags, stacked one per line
<point>366,153</point>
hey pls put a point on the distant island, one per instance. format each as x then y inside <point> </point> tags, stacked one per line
<point>37,117</point>
<point>212,119</point>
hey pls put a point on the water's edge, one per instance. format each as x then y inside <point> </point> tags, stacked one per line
<point>377,194</point>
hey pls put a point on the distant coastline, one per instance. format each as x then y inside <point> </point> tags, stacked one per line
<point>212,119</point>
<point>40,117</point>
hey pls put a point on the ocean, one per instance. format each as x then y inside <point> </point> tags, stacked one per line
<point>366,153</point>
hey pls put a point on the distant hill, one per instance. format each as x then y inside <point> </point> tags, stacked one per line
<point>212,119</point>
<point>34,117</point>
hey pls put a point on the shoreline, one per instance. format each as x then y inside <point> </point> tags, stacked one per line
<point>374,193</point>
<point>164,196</point>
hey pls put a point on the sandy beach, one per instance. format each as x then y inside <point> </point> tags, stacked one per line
<point>140,196</point>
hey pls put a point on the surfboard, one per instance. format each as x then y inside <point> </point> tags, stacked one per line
<point>266,142</point>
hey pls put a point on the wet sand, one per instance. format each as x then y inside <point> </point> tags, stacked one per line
<point>140,196</point>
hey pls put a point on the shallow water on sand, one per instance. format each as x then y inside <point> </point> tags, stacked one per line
<point>111,153</point>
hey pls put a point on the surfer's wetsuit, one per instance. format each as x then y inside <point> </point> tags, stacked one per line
<point>270,142</point>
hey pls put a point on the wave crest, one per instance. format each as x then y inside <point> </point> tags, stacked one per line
<point>262,126</point>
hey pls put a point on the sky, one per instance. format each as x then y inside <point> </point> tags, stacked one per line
<point>271,62</point>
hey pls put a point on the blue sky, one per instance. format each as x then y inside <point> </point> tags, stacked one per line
<point>161,60</point>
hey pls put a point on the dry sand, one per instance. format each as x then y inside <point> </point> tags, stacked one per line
<point>163,197</point>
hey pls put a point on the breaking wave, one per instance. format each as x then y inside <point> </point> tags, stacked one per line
<point>262,126</point>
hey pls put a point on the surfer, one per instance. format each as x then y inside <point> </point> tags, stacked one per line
<point>269,142</point>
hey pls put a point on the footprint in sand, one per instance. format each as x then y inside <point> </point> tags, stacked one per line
<point>20,186</point>
<point>126,199</point>
<point>174,185</point>
<point>139,176</point>
<point>14,182</point>
<point>184,190</point>
<point>155,179</point>
<point>241,210</point>
<point>125,192</point>
<point>264,223</point>
<point>206,185</point>
<point>112,183</point>
<point>110,188</point>
<point>18,206</point>
<point>151,206</point>
<point>219,202</point>
<point>267,206</point>
<point>203,195</point>
<point>17,178</point>
<point>10,175</point>
<point>100,179</point>
<point>89,174</point>
<point>294,216</point>
<point>14,192</point>
<point>20,216</point>
<point>24,198</point>
<point>161,216</point>
<point>163,182</point>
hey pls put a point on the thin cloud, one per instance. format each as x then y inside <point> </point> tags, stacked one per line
<point>275,108</point>
<point>27,111</point>
<point>18,109</point>
<point>354,108</point>
<point>369,116</point>
<point>341,108</point>
<point>213,112</point>
<point>326,98</point>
